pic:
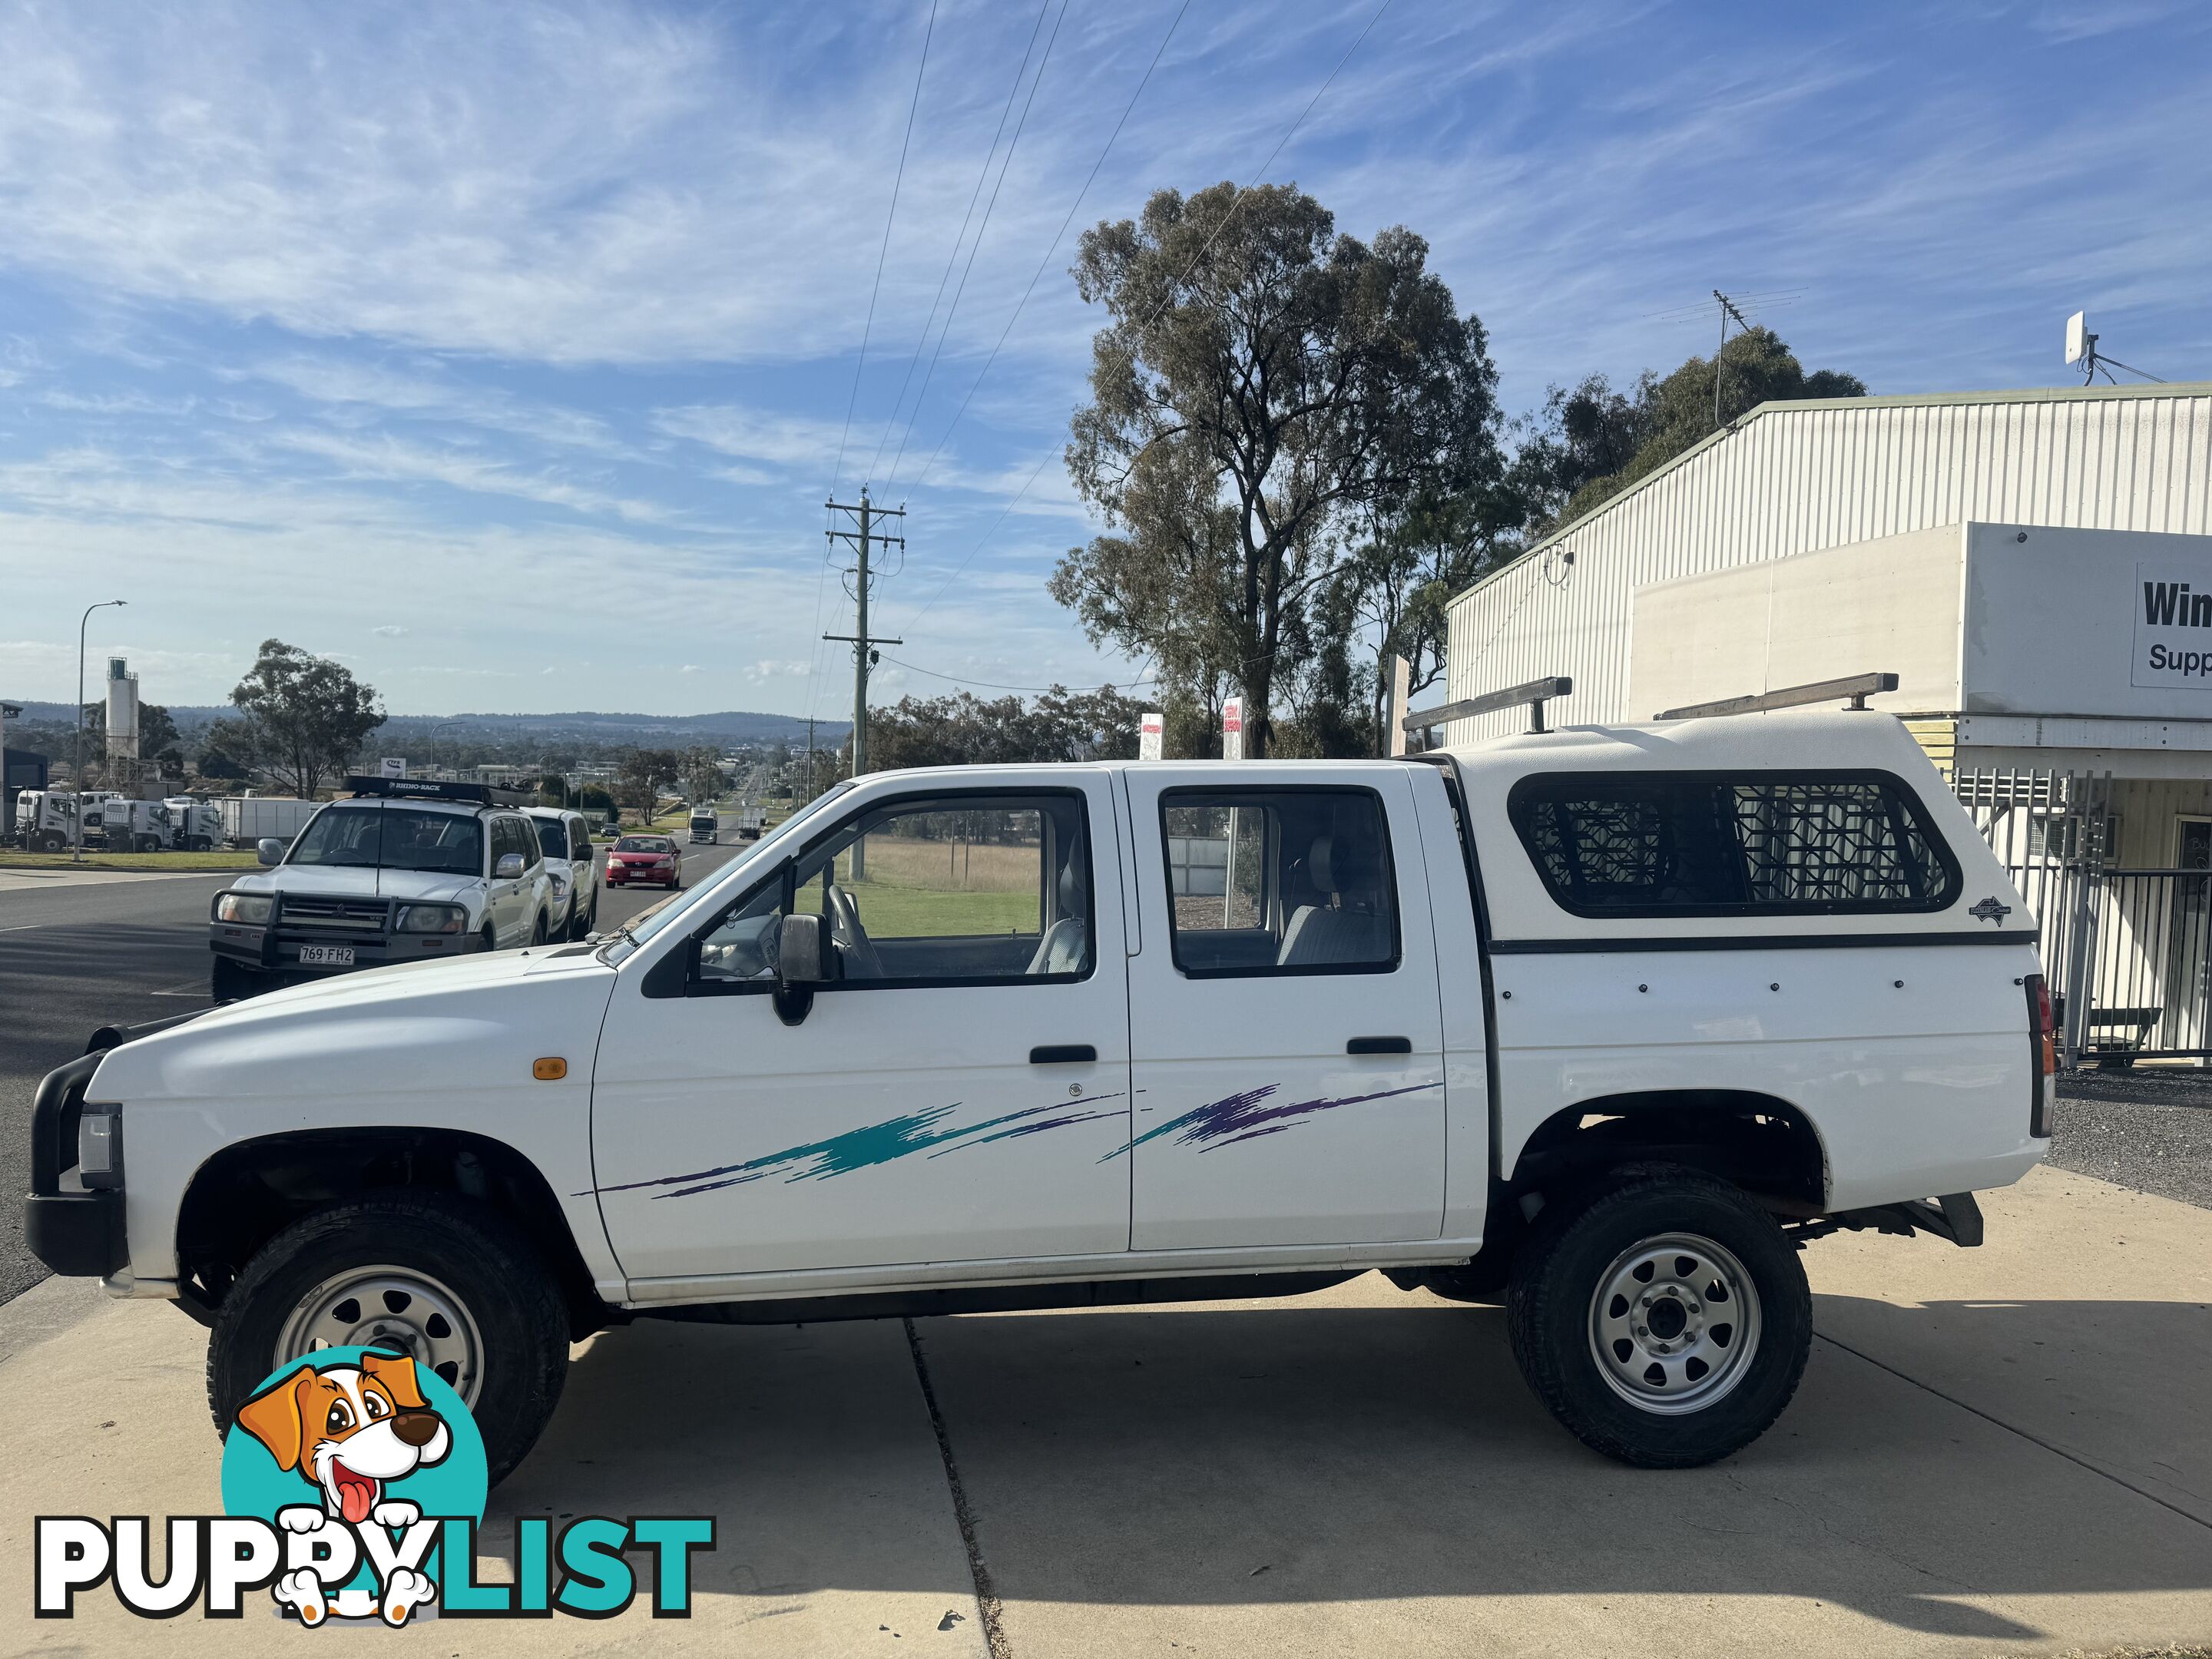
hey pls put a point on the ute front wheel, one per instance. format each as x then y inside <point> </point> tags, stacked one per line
<point>454,1286</point>
<point>1665,1322</point>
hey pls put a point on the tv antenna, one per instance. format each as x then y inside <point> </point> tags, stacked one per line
<point>2081,349</point>
<point>1727,310</point>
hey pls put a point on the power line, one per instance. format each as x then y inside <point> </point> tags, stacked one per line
<point>898,180</point>
<point>990,685</point>
<point>1071,208</point>
<point>951,259</point>
<point>884,252</point>
<point>1165,299</point>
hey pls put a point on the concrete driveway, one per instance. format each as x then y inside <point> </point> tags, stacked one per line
<point>2007,1450</point>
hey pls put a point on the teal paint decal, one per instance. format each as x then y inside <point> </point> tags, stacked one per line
<point>1243,1116</point>
<point>872,1145</point>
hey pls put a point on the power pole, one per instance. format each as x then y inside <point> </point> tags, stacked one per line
<point>862,541</point>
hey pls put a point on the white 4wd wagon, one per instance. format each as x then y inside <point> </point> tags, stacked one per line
<point>400,870</point>
<point>1603,1022</point>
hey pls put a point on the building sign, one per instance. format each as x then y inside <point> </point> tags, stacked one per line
<point>1149,733</point>
<point>393,766</point>
<point>2173,626</point>
<point>1232,727</point>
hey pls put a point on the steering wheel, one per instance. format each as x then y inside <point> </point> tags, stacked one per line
<point>851,939</point>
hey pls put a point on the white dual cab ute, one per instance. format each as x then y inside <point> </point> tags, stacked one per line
<point>404,870</point>
<point>1602,1024</point>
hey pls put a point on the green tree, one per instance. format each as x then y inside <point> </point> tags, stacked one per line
<point>1668,417</point>
<point>964,730</point>
<point>304,717</point>
<point>1258,365</point>
<point>645,773</point>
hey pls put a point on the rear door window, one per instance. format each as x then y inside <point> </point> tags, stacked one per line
<point>1271,881</point>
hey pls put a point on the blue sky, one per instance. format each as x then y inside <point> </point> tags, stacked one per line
<point>503,353</point>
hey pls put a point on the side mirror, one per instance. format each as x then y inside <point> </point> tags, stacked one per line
<point>801,951</point>
<point>509,866</point>
<point>804,959</point>
<point>268,850</point>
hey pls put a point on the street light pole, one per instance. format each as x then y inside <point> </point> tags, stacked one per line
<point>77,827</point>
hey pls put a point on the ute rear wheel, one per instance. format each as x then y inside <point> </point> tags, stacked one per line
<point>1665,1322</point>
<point>454,1286</point>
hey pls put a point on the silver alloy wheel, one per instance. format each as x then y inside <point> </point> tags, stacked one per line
<point>1674,1323</point>
<point>393,1307</point>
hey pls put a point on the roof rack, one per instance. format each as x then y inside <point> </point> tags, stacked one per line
<point>1535,694</point>
<point>1853,689</point>
<point>480,794</point>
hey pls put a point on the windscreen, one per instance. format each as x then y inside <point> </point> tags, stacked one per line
<point>392,838</point>
<point>642,844</point>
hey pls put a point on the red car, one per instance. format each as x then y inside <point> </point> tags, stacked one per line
<point>639,859</point>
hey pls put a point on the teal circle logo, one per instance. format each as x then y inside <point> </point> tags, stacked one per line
<point>345,1443</point>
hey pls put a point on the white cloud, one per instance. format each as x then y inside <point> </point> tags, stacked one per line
<point>394,459</point>
<point>758,434</point>
<point>389,631</point>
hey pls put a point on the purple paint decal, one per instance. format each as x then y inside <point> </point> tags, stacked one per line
<point>1247,1116</point>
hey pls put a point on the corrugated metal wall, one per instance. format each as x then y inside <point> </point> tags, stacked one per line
<point>1795,478</point>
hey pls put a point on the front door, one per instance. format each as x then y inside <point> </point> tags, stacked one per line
<point>1289,1042</point>
<point>962,1094</point>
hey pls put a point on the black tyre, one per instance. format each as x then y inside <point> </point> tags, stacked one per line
<point>455,1285</point>
<point>490,937</point>
<point>542,932</point>
<point>228,982</point>
<point>1665,1322</point>
<point>51,842</point>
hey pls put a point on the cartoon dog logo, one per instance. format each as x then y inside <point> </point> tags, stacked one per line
<point>350,1431</point>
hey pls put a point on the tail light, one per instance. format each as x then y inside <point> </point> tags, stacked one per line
<point>2043,1042</point>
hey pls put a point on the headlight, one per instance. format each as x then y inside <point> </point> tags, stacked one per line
<point>251,908</point>
<point>431,919</point>
<point>559,885</point>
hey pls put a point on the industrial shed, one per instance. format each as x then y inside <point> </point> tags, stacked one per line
<point>2028,564</point>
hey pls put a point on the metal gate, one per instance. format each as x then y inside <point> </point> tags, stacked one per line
<point>2128,951</point>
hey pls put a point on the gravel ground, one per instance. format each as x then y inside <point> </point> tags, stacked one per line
<point>2140,1129</point>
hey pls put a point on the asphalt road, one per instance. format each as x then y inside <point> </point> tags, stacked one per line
<point>78,954</point>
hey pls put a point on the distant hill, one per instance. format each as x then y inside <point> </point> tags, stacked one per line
<point>731,726</point>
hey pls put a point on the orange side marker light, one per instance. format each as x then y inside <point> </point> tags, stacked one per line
<point>551,1069</point>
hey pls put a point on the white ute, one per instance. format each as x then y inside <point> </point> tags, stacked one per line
<point>1604,1023</point>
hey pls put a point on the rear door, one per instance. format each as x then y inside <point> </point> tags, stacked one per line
<point>1288,1047</point>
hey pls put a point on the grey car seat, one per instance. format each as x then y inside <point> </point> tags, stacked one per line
<point>1348,930</point>
<point>1065,943</point>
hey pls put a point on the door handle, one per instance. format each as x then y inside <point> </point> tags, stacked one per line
<point>1379,1045</point>
<point>1062,1054</point>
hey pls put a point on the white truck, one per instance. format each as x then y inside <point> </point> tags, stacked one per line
<point>249,820</point>
<point>131,825</point>
<point>704,824</point>
<point>1604,1023</point>
<point>46,819</point>
<point>195,825</point>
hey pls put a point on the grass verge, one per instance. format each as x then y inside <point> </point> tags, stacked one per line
<point>12,858</point>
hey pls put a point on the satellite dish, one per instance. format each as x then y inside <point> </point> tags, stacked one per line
<point>2077,337</point>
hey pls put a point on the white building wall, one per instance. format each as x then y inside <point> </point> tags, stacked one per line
<point>1795,478</point>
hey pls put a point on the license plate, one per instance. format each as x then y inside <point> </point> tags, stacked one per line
<point>326,955</point>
